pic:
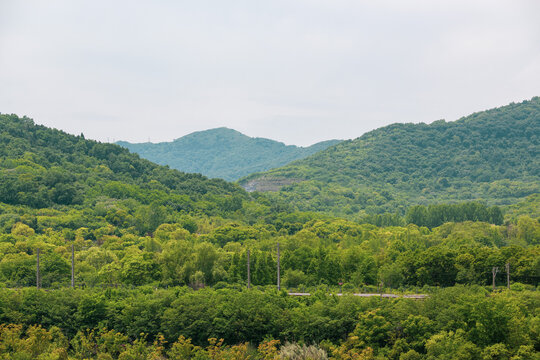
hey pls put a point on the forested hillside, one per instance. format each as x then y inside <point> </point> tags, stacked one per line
<point>492,156</point>
<point>161,263</point>
<point>134,223</point>
<point>223,153</point>
<point>42,167</point>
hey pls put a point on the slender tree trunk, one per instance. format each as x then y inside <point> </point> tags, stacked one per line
<point>72,266</point>
<point>248,271</point>
<point>38,278</point>
<point>278,271</point>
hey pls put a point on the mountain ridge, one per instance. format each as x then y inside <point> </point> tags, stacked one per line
<point>491,156</point>
<point>223,152</point>
<point>42,167</point>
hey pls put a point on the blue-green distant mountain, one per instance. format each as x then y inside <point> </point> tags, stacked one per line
<point>223,153</point>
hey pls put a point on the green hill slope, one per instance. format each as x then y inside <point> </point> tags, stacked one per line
<point>491,156</point>
<point>223,153</point>
<point>42,167</point>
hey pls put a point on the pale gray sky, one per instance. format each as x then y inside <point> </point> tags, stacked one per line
<point>298,71</point>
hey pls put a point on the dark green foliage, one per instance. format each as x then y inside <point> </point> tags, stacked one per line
<point>223,153</point>
<point>45,168</point>
<point>493,156</point>
<point>436,215</point>
<point>41,167</point>
<point>458,320</point>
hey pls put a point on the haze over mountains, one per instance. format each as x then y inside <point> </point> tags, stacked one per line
<point>493,156</point>
<point>223,153</point>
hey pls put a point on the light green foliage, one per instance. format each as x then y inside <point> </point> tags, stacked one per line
<point>34,343</point>
<point>183,349</point>
<point>373,329</point>
<point>528,230</point>
<point>530,207</point>
<point>452,346</point>
<point>294,278</point>
<point>313,251</point>
<point>497,351</point>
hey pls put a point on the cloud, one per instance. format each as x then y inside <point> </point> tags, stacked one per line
<point>297,71</point>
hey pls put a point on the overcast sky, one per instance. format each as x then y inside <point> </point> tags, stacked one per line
<point>298,71</point>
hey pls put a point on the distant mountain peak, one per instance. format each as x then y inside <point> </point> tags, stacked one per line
<point>219,130</point>
<point>223,152</point>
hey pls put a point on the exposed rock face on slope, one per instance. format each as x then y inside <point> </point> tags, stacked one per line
<point>268,184</point>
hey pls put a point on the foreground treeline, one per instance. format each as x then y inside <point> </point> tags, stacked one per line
<point>313,252</point>
<point>212,251</point>
<point>181,323</point>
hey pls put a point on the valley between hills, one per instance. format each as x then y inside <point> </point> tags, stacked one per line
<point>155,251</point>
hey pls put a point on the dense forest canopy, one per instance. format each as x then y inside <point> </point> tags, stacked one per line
<point>58,189</point>
<point>492,156</point>
<point>161,262</point>
<point>42,167</point>
<point>464,323</point>
<point>223,153</point>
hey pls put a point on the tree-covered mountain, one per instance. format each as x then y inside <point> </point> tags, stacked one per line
<point>161,262</point>
<point>223,153</point>
<point>492,156</point>
<point>47,168</point>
